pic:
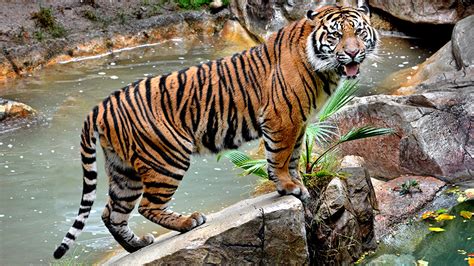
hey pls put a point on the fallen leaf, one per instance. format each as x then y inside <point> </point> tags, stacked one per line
<point>462,251</point>
<point>440,211</point>
<point>427,215</point>
<point>444,217</point>
<point>461,198</point>
<point>421,263</point>
<point>466,214</point>
<point>470,261</point>
<point>436,229</point>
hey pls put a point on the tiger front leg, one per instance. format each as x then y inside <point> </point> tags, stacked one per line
<point>282,159</point>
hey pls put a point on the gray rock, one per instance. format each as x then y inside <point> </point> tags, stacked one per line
<point>392,259</point>
<point>434,131</point>
<point>265,230</point>
<point>463,34</point>
<point>262,18</point>
<point>343,225</point>
<point>420,11</point>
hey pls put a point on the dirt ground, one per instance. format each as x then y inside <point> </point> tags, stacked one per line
<point>38,33</point>
<point>19,26</point>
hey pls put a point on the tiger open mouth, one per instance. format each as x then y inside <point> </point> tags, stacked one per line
<point>350,70</point>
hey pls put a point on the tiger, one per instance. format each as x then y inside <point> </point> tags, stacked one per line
<point>149,129</point>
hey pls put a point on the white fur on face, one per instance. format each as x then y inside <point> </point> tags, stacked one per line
<point>318,63</point>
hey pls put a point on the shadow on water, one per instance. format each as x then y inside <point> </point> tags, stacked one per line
<point>40,169</point>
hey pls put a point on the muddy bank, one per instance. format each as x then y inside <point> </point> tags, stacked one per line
<point>82,30</point>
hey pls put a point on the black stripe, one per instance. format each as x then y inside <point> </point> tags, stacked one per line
<point>153,199</point>
<point>159,185</point>
<point>87,160</point>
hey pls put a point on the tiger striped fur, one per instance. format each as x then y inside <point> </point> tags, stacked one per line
<point>149,129</point>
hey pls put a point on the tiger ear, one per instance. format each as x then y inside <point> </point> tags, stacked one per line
<point>362,7</point>
<point>311,14</point>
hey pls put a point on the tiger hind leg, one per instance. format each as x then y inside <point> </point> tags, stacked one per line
<point>159,187</point>
<point>125,190</point>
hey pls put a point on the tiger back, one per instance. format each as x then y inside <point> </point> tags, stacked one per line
<point>149,129</point>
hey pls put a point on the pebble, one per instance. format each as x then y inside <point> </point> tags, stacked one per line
<point>113,77</point>
<point>101,73</point>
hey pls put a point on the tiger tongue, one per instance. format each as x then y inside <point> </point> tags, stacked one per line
<point>351,69</point>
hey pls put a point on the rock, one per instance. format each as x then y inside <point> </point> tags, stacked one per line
<point>265,230</point>
<point>262,18</point>
<point>419,11</point>
<point>393,259</point>
<point>463,34</point>
<point>342,228</point>
<point>433,133</point>
<point>450,66</point>
<point>395,208</point>
<point>236,37</point>
<point>14,110</point>
<point>441,62</point>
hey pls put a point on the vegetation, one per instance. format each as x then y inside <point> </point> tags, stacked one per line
<point>47,23</point>
<point>318,163</point>
<point>408,187</point>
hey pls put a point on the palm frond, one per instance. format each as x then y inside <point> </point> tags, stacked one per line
<point>343,94</point>
<point>354,134</point>
<point>322,132</point>
<point>364,132</point>
<point>245,162</point>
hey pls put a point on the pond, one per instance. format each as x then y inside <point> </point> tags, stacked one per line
<point>413,241</point>
<point>40,172</point>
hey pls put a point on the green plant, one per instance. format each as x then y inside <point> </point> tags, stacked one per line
<point>90,15</point>
<point>38,35</point>
<point>408,187</point>
<point>322,132</point>
<point>46,21</point>
<point>249,165</point>
<point>192,4</point>
<point>122,17</point>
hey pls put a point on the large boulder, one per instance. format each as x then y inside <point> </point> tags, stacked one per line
<point>396,207</point>
<point>262,18</point>
<point>341,228</point>
<point>432,11</point>
<point>463,34</point>
<point>434,132</point>
<point>451,65</point>
<point>265,230</point>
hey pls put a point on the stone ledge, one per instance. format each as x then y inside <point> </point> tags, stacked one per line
<point>265,230</point>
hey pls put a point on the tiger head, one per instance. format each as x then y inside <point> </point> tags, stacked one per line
<point>342,38</point>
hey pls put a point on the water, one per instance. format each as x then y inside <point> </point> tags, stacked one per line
<point>40,173</point>
<point>413,241</point>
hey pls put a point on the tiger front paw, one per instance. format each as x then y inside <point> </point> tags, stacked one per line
<point>297,190</point>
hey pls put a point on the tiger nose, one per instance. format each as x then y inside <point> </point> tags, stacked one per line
<point>352,52</point>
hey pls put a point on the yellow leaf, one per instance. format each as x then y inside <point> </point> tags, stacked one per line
<point>427,215</point>
<point>444,217</point>
<point>436,229</point>
<point>421,263</point>
<point>462,198</point>
<point>466,214</point>
<point>470,261</point>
